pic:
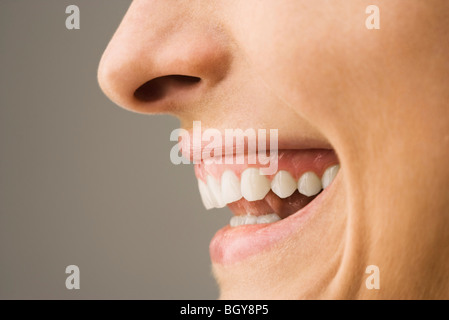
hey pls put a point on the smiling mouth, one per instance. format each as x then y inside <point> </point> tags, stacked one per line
<point>262,204</point>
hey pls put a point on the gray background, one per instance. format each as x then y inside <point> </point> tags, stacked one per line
<point>84,182</point>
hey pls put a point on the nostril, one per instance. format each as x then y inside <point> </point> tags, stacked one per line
<point>161,87</point>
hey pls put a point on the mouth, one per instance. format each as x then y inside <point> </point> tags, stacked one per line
<point>266,208</point>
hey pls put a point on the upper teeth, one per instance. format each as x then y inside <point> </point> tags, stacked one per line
<point>230,187</point>
<point>215,190</point>
<point>283,184</point>
<point>309,184</point>
<point>329,175</point>
<point>254,186</point>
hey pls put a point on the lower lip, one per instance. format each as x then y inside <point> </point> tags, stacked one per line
<point>233,244</point>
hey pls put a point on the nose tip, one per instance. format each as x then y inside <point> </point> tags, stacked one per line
<point>157,65</point>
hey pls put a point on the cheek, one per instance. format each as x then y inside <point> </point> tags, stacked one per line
<point>365,90</point>
<point>350,82</point>
<point>323,62</point>
<point>312,55</point>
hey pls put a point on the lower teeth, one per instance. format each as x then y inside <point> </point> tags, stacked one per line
<point>250,219</point>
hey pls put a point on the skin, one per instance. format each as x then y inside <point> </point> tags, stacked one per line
<point>314,71</point>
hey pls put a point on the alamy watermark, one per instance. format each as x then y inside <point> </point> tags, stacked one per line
<point>233,146</point>
<point>373,20</point>
<point>73,280</point>
<point>73,20</point>
<point>373,280</point>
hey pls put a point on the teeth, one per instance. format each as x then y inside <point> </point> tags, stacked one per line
<point>230,187</point>
<point>254,186</point>
<point>268,218</point>
<point>206,196</point>
<point>235,221</point>
<point>250,219</point>
<point>309,184</point>
<point>329,175</point>
<point>215,190</point>
<point>283,184</point>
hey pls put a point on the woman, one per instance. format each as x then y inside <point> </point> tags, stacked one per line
<point>371,102</point>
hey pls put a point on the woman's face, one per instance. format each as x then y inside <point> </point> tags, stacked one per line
<point>312,70</point>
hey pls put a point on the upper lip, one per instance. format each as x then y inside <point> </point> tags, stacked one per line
<point>189,149</point>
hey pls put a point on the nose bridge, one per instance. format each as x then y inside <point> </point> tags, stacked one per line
<point>157,41</point>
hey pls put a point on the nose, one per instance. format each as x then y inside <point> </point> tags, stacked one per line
<point>164,58</point>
